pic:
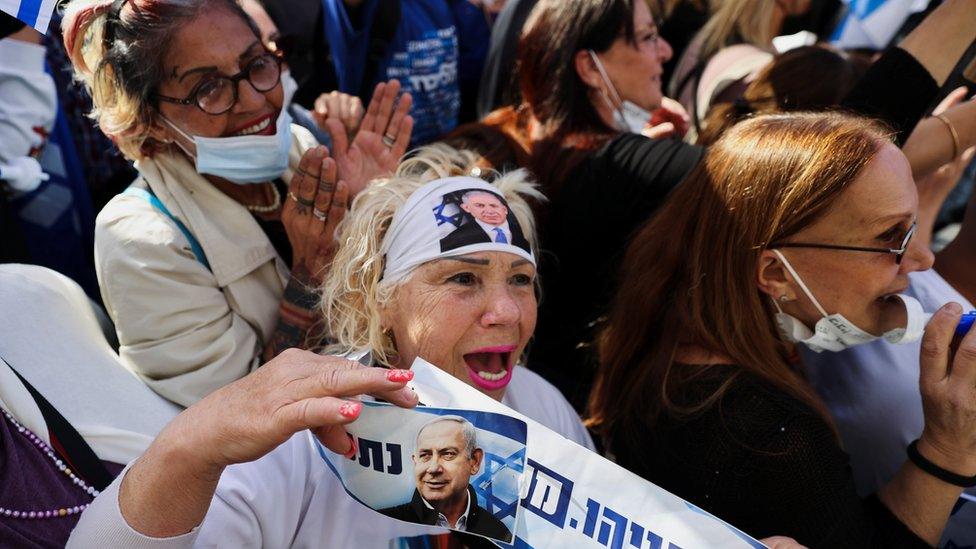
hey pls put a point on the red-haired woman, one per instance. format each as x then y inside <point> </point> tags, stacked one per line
<point>796,229</point>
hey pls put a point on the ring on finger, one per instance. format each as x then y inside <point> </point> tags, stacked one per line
<point>319,214</point>
<point>389,140</point>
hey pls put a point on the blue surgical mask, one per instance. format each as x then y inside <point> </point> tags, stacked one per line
<point>247,159</point>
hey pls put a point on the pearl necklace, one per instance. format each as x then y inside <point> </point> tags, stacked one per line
<point>265,209</point>
<point>43,446</point>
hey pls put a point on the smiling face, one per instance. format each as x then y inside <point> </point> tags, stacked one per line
<point>470,315</point>
<point>635,69</point>
<point>875,211</point>
<point>485,207</point>
<point>217,42</point>
<point>442,465</point>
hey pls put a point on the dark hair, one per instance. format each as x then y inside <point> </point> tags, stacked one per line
<point>689,275</point>
<point>118,48</point>
<point>555,32</point>
<point>809,78</point>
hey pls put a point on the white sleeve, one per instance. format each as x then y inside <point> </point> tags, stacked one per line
<point>102,525</point>
<point>176,328</point>
<point>257,504</point>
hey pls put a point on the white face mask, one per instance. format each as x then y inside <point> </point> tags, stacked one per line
<point>627,116</point>
<point>247,159</point>
<point>836,333</point>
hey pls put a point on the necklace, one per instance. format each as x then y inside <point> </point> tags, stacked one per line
<point>272,207</point>
<point>43,446</point>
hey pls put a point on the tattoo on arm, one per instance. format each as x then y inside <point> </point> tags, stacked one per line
<point>297,315</point>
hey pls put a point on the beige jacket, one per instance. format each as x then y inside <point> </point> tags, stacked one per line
<point>184,329</point>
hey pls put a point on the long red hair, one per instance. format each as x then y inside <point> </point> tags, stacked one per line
<point>689,275</point>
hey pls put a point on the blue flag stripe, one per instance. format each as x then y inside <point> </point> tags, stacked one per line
<point>29,10</point>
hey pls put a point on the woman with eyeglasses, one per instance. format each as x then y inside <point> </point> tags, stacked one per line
<point>796,229</point>
<point>207,261</point>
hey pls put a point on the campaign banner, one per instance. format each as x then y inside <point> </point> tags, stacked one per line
<point>419,465</point>
<point>35,13</point>
<point>568,496</point>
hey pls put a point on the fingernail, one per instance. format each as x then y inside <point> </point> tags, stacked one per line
<point>954,308</point>
<point>350,409</point>
<point>399,376</point>
<point>353,448</point>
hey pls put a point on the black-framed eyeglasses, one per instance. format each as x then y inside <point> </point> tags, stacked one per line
<point>219,95</point>
<point>899,252</point>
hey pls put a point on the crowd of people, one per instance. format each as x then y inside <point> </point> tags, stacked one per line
<point>711,259</point>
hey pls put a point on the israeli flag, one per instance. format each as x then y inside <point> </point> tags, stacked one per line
<point>35,13</point>
<point>873,23</point>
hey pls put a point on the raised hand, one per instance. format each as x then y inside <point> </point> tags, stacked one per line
<point>345,108</point>
<point>381,141</point>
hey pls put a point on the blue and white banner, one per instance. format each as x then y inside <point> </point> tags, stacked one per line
<point>35,13</point>
<point>412,464</point>
<point>572,497</point>
<point>873,23</point>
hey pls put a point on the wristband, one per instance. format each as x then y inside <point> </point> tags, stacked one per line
<point>938,472</point>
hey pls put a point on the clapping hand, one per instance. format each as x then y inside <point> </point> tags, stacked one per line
<point>381,141</point>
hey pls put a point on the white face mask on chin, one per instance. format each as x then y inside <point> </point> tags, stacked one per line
<point>246,159</point>
<point>836,333</point>
<point>628,117</point>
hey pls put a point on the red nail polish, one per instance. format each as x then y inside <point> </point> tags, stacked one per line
<point>350,409</point>
<point>399,375</point>
<point>353,448</point>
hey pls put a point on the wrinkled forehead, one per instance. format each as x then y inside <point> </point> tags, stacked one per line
<point>194,43</point>
<point>883,193</point>
<point>440,434</point>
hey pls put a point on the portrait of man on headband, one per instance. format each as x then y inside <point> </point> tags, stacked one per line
<point>479,216</point>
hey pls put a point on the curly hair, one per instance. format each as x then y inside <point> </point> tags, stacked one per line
<point>354,293</point>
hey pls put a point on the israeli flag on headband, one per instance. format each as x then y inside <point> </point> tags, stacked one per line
<point>873,23</point>
<point>35,13</point>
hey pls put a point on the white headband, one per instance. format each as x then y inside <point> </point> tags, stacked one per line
<point>433,224</point>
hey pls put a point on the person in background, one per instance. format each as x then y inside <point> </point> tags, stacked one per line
<point>726,54</point>
<point>207,263</point>
<point>434,48</point>
<point>45,198</point>
<point>795,230</point>
<point>808,78</point>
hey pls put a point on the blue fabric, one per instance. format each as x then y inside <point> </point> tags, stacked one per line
<point>156,203</point>
<point>422,55</point>
<point>29,11</point>
<point>500,236</point>
<point>56,219</point>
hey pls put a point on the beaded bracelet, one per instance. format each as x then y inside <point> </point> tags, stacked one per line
<point>924,464</point>
<point>952,132</point>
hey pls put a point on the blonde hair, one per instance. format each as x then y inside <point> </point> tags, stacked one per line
<point>118,49</point>
<point>354,293</point>
<point>749,21</point>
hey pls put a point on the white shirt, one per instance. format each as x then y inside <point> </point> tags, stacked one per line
<point>872,391</point>
<point>264,503</point>
<point>462,521</point>
<point>490,229</point>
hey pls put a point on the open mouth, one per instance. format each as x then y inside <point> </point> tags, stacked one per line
<point>490,368</point>
<point>262,126</point>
